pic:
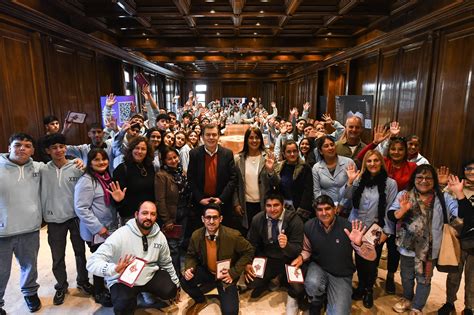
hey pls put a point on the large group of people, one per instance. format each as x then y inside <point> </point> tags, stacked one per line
<point>162,193</point>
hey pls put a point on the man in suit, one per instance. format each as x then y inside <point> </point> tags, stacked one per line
<point>211,174</point>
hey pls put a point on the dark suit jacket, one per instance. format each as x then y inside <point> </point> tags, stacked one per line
<point>226,175</point>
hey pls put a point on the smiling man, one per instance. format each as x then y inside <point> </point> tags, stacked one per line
<point>139,238</point>
<point>350,143</point>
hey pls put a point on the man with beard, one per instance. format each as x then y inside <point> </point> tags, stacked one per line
<point>140,239</point>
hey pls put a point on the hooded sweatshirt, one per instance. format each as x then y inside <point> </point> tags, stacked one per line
<point>20,206</point>
<point>128,240</point>
<point>57,191</point>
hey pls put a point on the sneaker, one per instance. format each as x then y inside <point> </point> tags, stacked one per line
<point>257,292</point>
<point>368,299</point>
<point>33,302</point>
<point>59,296</point>
<point>103,299</point>
<point>414,311</point>
<point>389,286</point>
<point>86,288</point>
<point>291,306</point>
<point>467,311</point>
<point>446,309</point>
<point>402,305</point>
<point>2,311</point>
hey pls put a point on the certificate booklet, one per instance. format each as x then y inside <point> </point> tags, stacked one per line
<point>77,118</point>
<point>373,234</point>
<point>221,266</point>
<point>293,274</point>
<point>98,239</point>
<point>259,264</point>
<point>131,273</point>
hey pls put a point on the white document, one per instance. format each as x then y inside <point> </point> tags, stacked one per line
<point>222,265</point>
<point>259,264</point>
<point>131,273</point>
<point>294,274</point>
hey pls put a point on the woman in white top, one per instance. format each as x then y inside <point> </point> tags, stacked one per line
<point>255,174</point>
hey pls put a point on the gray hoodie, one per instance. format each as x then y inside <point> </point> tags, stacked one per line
<point>20,206</point>
<point>128,240</point>
<point>57,191</point>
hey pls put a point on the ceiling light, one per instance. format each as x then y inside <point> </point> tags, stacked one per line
<point>210,0</point>
<point>147,39</point>
<point>212,11</point>
<point>144,34</point>
<point>261,11</point>
<point>123,28</point>
<point>258,24</point>
<point>218,33</point>
<point>329,33</point>
<point>216,24</point>
<point>255,33</point>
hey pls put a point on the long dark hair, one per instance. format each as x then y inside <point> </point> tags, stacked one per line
<point>90,156</point>
<point>258,132</point>
<point>165,152</point>
<point>379,180</point>
<point>128,157</point>
<point>427,168</point>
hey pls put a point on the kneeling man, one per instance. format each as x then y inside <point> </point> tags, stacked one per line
<point>140,238</point>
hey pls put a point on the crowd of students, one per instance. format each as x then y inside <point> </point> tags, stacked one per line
<point>301,193</point>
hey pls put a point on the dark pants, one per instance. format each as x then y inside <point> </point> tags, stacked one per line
<point>99,285</point>
<point>393,257</point>
<point>367,270</point>
<point>276,267</point>
<point>228,295</point>
<point>57,239</point>
<point>176,244</point>
<point>124,298</point>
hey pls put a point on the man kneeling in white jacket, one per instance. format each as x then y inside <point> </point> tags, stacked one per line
<point>140,239</point>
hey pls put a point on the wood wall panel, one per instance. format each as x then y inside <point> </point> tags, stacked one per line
<point>22,89</point>
<point>386,105</point>
<point>451,114</point>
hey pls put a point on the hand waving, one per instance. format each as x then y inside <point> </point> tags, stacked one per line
<point>352,173</point>
<point>443,175</point>
<point>357,232</point>
<point>117,193</point>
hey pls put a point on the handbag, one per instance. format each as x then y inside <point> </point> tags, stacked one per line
<point>450,251</point>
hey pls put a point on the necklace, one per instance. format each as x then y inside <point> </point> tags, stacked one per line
<point>143,170</point>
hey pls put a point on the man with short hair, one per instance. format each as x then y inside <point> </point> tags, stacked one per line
<point>58,179</point>
<point>211,173</point>
<point>51,125</point>
<point>20,217</point>
<point>163,122</point>
<point>413,145</point>
<point>173,126</point>
<point>276,234</point>
<point>329,241</point>
<point>139,238</point>
<point>208,245</point>
<point>350,143</point>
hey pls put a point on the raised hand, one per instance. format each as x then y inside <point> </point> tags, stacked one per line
<point>380,134</point>
<point>110,101</point>
<point>123,263</point>
<point>352,173</point>
<point>405,203</point>
<point>117,193</point>
<point>456,186</point>
<point>293,111</point>
<point>357,232</point>
<point>306,106</point>
<point>394,129</point>
<point>269,162</point>
<point>283,129</point>
<point>443,175</point>
<point>327,119</point>
<point>273,104</point>
<point>111,123</point>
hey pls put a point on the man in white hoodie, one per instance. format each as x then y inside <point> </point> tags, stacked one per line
<point>58,179</point>
<point>139,238</point>
<point>20,217</point>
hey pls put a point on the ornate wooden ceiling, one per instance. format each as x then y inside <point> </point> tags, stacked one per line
<point>234,36</point>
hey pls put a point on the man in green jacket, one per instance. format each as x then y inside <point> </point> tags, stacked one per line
<point>209,249</point>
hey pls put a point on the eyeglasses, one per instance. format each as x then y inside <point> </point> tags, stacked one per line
<point>423,178</point>
<point>211,217</point>
<point>469,168</point>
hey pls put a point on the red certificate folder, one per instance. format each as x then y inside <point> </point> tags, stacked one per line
<point>131,273</point>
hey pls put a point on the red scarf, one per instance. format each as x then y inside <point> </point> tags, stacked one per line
<point>105,181</point>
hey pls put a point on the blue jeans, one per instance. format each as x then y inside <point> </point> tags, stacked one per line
<point>25,247</point>
<point>318,283</point>
<point>423,287</point>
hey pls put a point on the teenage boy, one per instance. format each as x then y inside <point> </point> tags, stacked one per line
<point>58,180</point>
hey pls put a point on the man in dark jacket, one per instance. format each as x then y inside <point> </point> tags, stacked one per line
<point>277,235</point>
<point>208,248</point>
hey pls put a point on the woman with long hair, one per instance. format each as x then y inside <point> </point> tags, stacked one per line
<point>306,147</point>
<point>398,168</point>
<point>137,173</point>
<point>371,193</point>
<point>193,139</point>
<point>255,176</point>
<point>329,174</point>
<point>173,198</point>
<point>94,196</point>
<point>154,138</point>
<point>419,213</point>
<point>181,144</point>
<point>295,180</point>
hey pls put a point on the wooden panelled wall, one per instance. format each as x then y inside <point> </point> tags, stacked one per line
<point>425,84</point>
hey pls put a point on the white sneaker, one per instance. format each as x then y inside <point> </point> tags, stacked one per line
<point>291,306</point>
<point>402,305</point>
